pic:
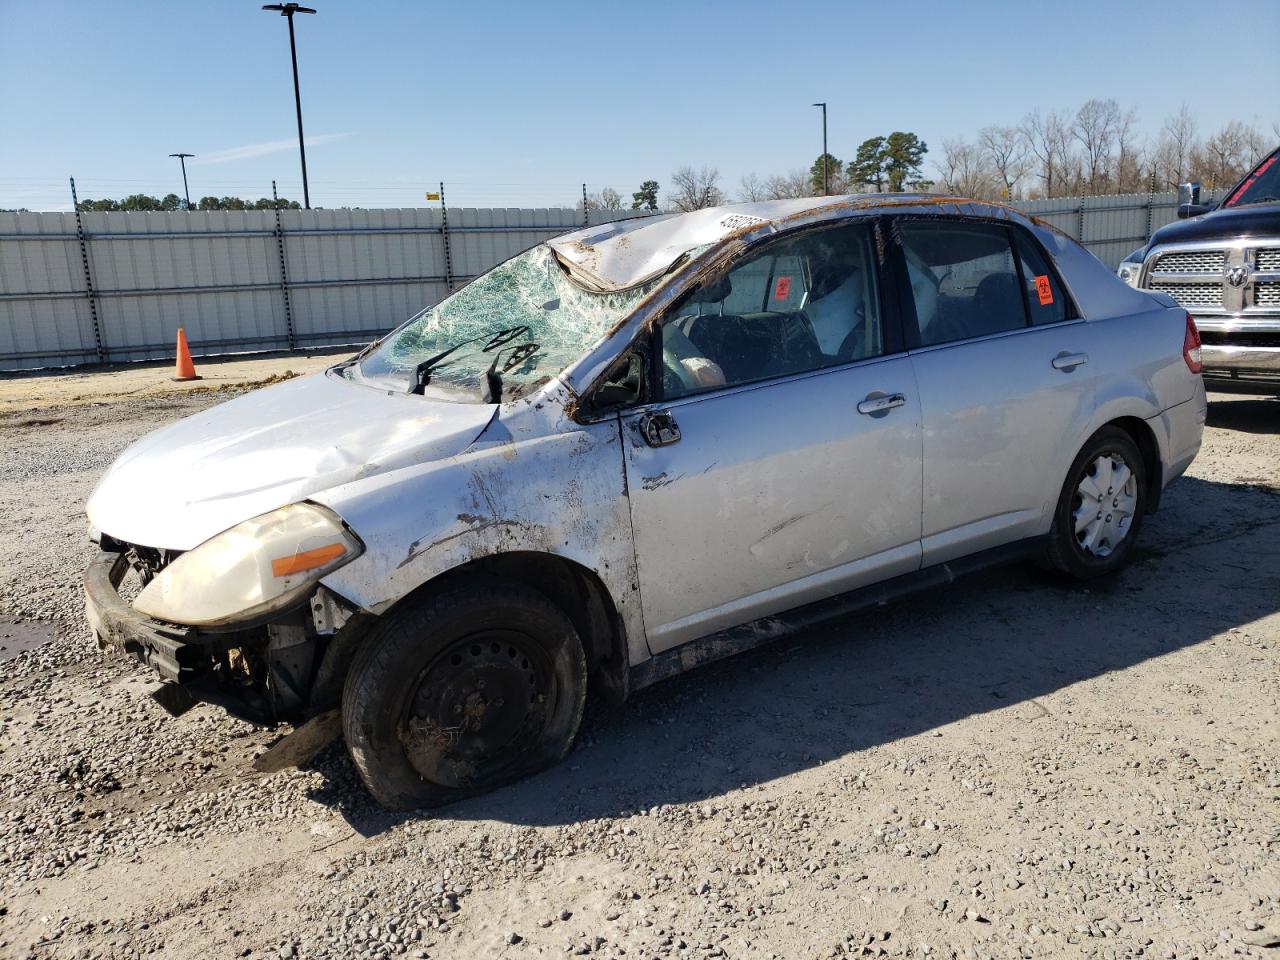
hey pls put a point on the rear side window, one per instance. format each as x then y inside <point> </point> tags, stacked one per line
<point>1045,298</point>
<point>964,279</point>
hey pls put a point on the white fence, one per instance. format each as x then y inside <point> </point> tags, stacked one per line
<point>103,287</point>
<point>1110,227</point>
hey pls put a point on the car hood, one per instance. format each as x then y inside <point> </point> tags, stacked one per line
<point>1225,224</point>
<point>184,483</point>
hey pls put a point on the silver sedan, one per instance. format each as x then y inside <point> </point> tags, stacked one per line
<point>633,449</point>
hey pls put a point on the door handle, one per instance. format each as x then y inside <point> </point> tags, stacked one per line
<point>1066,362</point>
<point>880,403</point>
<point>659,428</point>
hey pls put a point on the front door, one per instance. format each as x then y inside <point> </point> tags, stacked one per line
<point>782,463</point>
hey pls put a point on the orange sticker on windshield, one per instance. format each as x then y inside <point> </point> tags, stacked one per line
<point>782,289</point>
<point>1044,290</point>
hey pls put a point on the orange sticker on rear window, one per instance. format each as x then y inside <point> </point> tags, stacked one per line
<point>1044,290</point>
<point>782,289</point>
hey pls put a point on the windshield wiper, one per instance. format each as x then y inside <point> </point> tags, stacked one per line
<point>422,372</point>
<point>493,376</point>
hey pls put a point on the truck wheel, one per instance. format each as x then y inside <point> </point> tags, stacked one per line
<point>1101,507</point>
<point>468,686</point>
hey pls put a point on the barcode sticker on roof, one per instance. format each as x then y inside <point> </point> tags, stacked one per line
<point>737,220</point>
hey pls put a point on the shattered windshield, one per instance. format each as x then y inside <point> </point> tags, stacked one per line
<point>524,321</point>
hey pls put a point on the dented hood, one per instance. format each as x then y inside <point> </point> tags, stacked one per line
<point>184,483</point>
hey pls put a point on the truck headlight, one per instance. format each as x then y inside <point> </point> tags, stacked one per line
<point>1130,272</point>
<point>255,569</point>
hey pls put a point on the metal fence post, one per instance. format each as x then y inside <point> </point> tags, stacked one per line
<point>444,229</point>
<point>1080,221</point>
<point>586,213</point>
<point>284,270</point>
<point>100,349</point>
<point>1151,199</point>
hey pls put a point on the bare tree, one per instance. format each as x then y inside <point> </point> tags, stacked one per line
<point>1176,145</point>
<point>1005,150</point>
<point>752,188</point>
<point>1257,145</point>
<point>964,170</point>
<point>1131,173</point>
<point>1225,156</point>
<point>1095,128</point>
<point>606,199</point>
<point>1048,141</point>
<point>696,189</point>
<point>789,186</point>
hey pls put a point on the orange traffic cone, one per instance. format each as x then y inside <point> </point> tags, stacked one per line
<point>184,369</point>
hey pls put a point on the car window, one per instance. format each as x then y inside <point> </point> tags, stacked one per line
<point>964,281</point>
<point>1045,298</point>
<point>801,304</point>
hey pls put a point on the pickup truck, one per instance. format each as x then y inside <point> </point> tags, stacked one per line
<point>1222,263</point>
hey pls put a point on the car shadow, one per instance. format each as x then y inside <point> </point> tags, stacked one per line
<point>1248,414</point>
<point>998,640</point>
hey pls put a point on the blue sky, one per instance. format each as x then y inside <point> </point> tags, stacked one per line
<point>517,104</point>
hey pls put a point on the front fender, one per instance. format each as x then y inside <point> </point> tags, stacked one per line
<point>531,482</point>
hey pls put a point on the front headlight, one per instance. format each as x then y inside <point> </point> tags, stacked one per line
<point>255,569</point>
<point>1130,272</point>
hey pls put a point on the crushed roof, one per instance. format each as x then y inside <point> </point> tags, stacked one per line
<point>627,253</point>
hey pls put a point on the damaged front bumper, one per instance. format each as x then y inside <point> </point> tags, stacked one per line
<point>162,646</point>
<point>289,669</point>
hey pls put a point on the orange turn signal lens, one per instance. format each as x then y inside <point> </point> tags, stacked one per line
<point>307,560</point>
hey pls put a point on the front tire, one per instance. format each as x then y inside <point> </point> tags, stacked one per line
<point>470,685</point>
<point>1100,508</point>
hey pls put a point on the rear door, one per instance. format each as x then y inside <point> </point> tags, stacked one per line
<point>782,462</point>
<point>1002,363</point>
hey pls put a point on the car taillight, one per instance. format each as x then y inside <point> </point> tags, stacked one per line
<point>1191,347</point>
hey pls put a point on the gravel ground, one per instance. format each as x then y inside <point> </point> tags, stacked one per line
<point>1012,767</point>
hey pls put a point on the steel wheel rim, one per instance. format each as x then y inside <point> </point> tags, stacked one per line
<point>478,707</point>
<point>1104,505</point>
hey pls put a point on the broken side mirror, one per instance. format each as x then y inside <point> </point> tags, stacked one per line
<point>624,384</point>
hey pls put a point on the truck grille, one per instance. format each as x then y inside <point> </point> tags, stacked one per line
<point>1208,262</point>
<point>1191,294</point>
<point>1199,278</point>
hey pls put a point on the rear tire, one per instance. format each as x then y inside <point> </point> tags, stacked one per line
<point>473,684</point>
<point>1101,507</point>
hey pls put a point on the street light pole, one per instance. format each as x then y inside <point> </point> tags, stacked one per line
<point>826,177</point>
<point>288,10</point>
<point>182,159</point>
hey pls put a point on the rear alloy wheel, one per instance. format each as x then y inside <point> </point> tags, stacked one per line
<point>1101,507</point>
<point>1105,503</point>
<point>469,686</point>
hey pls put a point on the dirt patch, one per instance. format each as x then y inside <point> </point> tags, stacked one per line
<point>21,393</point>
<point>1008,767</point>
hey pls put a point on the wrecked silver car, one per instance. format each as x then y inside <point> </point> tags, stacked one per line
<point>628,451</point>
